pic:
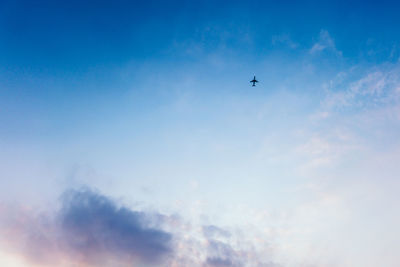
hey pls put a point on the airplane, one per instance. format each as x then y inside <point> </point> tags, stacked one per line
<point>254,81</point>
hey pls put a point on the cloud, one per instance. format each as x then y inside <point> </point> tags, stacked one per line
<point>376,87</point>
<point>93,223</point>
<point>285,40</point>
<point>89,229</point>
<point>211,231</point>
<point>225,249</point>
<point>225,254</point>
<point>222,254</point>
<point>325,42</point>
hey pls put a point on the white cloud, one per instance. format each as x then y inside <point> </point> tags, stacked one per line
<point>377,87</point>
<point>325,42</point>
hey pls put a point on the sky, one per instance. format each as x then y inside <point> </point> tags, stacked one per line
<point>130,134</point>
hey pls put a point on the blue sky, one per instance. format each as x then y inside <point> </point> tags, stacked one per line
<point>137,120</point>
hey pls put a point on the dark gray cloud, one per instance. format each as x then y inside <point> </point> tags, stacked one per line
<point>93,224</point>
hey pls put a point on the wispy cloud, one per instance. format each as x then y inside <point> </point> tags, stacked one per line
<point>325,42</point>
<point>284,39</point>
<point>222,252</point>
<point>377,87</point>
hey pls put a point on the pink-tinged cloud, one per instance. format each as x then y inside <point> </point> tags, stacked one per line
<point>92,230</point>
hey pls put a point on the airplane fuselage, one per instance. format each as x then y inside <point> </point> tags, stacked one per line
<point>254,81</point>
